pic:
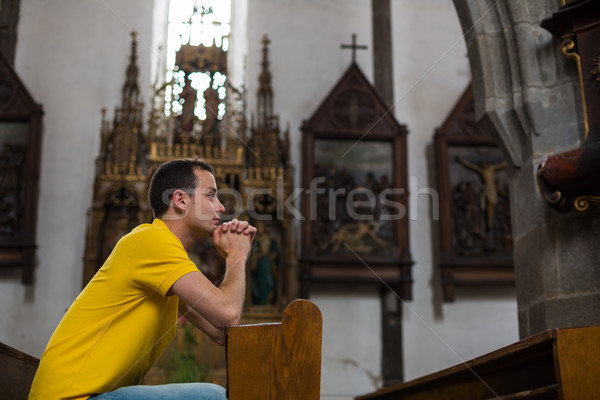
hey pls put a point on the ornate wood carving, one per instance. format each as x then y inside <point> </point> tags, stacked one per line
<point>20,147</point>
<point>572,178</point>
<point>475,230</point>
<point>355,221</point>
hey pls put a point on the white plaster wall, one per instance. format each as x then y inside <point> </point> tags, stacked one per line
<point>72,56</point>
<point>351,353</point>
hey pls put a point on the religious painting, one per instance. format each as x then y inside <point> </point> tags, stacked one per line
<point>354,204</point>
<point>474,225</point>
<point>353,213</point>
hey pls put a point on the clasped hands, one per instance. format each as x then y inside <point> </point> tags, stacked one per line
<point>234,238</point>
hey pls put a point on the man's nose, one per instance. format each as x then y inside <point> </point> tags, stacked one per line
<point>220,208</point>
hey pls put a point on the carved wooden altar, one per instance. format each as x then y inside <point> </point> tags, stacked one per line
<point>475,227</point>
<point>20,147</point>
<point>252,168</point>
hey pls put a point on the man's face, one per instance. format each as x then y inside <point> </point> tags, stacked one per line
<point>203,216</point>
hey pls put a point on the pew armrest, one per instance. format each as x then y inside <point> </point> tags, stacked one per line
<point>279,360</point>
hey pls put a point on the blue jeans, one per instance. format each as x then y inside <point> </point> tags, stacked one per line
<point>173,391</point>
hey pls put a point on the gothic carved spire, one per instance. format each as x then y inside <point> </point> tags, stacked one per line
<point>265,141</point>
<point>123,142</point>
<point>265,92</point>
<point>131,89</point>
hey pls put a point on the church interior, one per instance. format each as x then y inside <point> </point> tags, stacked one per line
<point>427,173</point>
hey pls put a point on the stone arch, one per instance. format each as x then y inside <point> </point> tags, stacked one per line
<point>525,91</point>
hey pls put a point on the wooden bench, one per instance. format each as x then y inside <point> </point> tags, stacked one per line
<point>276,361</point>
<point>17,370</point>
<point>558,364</point>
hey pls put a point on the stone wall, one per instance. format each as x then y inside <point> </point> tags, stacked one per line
<point>528,95</point>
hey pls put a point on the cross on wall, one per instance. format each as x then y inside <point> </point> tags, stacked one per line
<point>354,47</point>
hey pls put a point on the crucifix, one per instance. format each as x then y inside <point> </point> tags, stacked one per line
<point>354,47</point>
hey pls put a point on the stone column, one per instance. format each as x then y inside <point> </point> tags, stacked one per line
<point>527,94</point>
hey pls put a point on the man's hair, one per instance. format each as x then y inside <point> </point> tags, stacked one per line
<point>171,176</point>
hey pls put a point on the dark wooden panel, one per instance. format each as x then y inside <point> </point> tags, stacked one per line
<point>17,370</point>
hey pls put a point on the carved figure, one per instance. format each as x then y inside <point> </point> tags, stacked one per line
<point>489,196</point>
<point>353,234</point>
<point>467,219</point>
<point>211,104</point>
<point>265,253</point>
<point>188,117</point>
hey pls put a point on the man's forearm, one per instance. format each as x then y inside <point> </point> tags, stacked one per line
<point>218,335</point>
<point>234,284</point>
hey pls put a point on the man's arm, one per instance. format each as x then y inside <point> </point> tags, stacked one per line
<point>218,335</point>
<point>221,306</point>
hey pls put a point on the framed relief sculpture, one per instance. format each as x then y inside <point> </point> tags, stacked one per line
<point>475,226</point>
<point>355,226</point>
<point>20,147</point>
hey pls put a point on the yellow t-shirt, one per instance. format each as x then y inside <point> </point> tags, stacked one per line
<point>120,323</point>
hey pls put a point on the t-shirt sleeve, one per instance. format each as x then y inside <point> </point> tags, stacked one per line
<point>159,261</point>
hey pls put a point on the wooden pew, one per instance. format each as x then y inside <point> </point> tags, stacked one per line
<point>17,370</point>
<point>558,364</point>
<point>276,361</point>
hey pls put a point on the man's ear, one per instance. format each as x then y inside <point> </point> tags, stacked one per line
<point>180,200</point>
